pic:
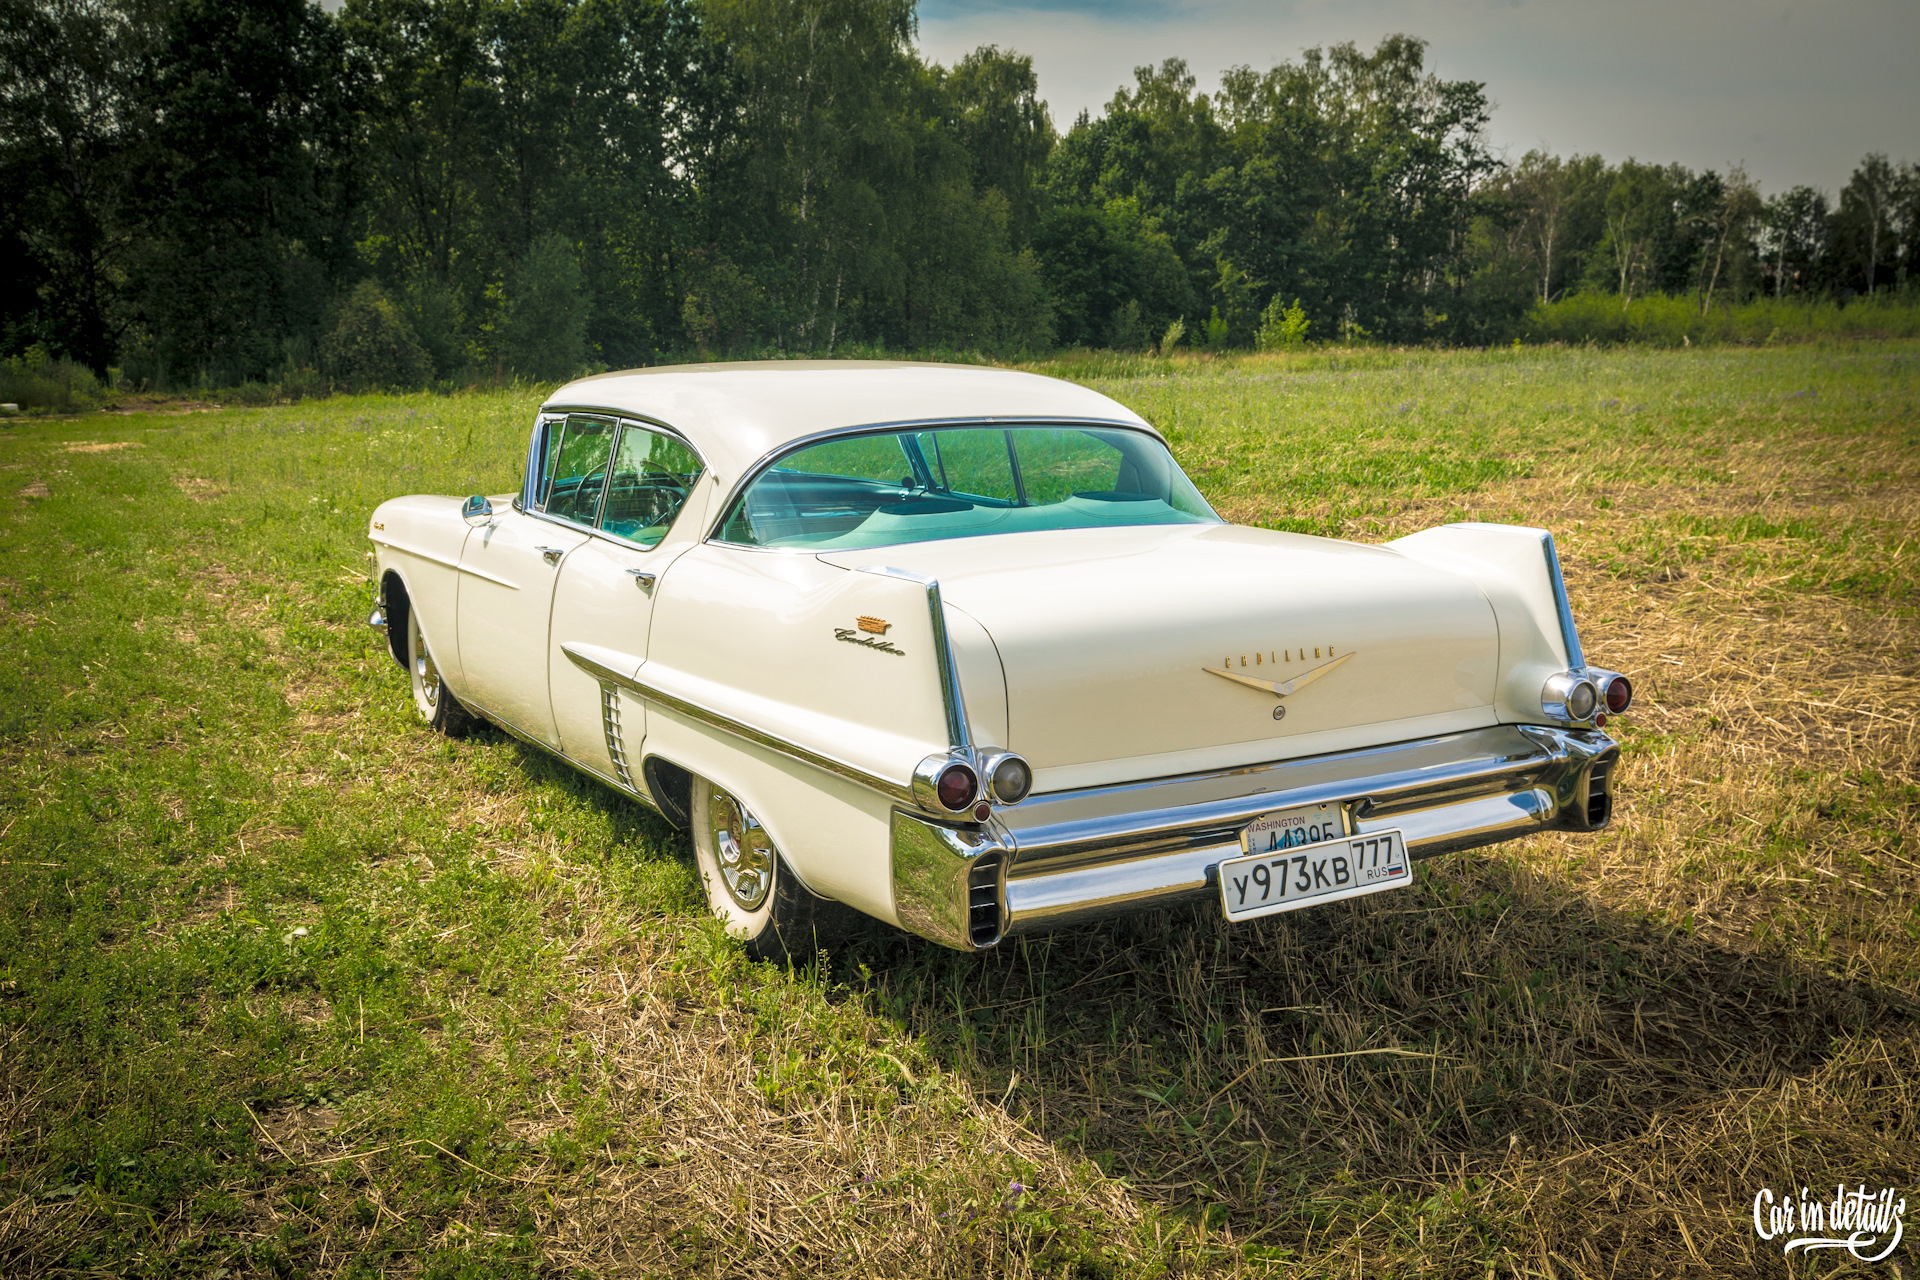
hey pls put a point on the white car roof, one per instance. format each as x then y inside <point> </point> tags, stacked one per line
<point>736,414</point>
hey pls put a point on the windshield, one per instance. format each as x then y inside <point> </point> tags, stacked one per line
<point>962,482</point>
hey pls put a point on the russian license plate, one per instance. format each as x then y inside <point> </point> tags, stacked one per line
<point>1262,884</point>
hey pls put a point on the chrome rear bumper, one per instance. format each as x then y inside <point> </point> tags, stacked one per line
<point>1076,855</point>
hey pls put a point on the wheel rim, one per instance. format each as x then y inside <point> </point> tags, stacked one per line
<point>426,676</point>
<point>743,851</point>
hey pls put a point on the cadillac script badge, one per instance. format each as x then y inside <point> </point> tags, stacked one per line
<point>869,633</point>
<point>1279,688</point>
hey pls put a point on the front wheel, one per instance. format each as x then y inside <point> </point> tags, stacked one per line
<point>750,887</point>
<point>431,697</point>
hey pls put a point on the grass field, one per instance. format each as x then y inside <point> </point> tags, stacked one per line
<point>290,986</point>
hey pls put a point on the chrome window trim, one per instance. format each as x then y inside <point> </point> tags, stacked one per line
<point>583,656</point>
<point>772,456</point>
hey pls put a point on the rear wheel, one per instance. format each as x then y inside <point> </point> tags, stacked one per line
<point>431,697</point>
<point>750,887</point>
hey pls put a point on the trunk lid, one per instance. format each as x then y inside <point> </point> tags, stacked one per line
<point>1106,637</point>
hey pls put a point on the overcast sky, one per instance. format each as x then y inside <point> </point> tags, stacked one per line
<point>1797,91</point>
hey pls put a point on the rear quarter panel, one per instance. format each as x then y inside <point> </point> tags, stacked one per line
<point>774,641</point>
<point>1508,563</point>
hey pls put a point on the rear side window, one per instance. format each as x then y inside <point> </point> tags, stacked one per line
<point>651,477</point>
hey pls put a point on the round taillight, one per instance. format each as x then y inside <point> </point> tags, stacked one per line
<point>1581,700</point>
<point>1011,780</point>
<point>957,787</point>
<point>1619,694</point>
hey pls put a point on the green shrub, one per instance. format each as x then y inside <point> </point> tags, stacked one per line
<point>302,383</point>
<point>1282,327</point>
<point>1128,332</point>
<point>39,381</point>
<point>370,347</point>
<point>250,393</point>
<point>1171,338</point>
<point>1216,331</point>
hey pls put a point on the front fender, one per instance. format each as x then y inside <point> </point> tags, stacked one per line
<point>417,543</point>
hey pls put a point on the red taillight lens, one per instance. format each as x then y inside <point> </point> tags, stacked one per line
<point>1619,694</point>
<point>957,787</point>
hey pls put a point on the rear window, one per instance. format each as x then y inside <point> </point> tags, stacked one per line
<point>959,482</point>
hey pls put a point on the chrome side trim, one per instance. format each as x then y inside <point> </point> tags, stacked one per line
<point>1569,633</point>
<point>593,661</point>
<point>415,551</point>
<point>610,724</point>
<point>490,577</point>
<point>959,738</point>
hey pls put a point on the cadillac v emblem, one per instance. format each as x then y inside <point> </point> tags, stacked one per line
<point>1278,688</point>
<point>869,633</point>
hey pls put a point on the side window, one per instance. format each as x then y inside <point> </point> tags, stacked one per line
<point>652,476</point>
<point>545,449</point>
<point>576,468</point>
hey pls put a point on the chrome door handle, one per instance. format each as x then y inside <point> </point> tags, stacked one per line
<point>550,554</point>
<point>643,579</point>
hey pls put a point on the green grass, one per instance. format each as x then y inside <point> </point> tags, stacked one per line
<point>290,986</point>
<point>1678,321</point>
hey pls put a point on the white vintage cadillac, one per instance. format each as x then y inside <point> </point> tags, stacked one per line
<point>965,650</point>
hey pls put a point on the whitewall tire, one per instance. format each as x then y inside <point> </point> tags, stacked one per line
<point>431,697</point>
<point>749,885</point>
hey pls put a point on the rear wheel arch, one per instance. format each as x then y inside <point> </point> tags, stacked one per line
<point>671,787</point>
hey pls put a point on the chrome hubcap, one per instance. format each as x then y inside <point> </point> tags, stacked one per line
<point>426,676</point>
<point>744,852</point>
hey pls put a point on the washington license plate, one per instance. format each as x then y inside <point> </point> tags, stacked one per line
<point>1285,828</point>
<point>1265,883</point>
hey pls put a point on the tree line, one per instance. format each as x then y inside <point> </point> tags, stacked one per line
<point>411,191</point>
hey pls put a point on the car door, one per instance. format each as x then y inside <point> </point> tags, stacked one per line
<point>604,597</point>
<point>508,569</point>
